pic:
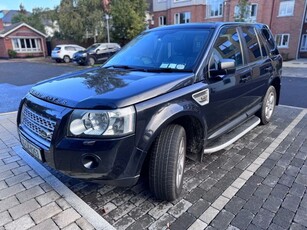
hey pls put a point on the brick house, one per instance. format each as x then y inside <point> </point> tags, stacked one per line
<point>286,18</point>
<point>22,38</point>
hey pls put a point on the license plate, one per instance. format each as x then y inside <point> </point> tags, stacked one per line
<point>30,148</point>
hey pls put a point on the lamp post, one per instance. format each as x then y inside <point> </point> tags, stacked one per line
<point>108,17</point>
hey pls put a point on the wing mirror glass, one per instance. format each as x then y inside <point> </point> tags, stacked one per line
<point>225,66</point>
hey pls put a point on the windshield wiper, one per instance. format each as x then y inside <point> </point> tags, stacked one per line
<point>119,67</point>
<point>168,70</point>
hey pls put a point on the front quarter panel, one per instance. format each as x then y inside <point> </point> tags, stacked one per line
<point>157,113</point>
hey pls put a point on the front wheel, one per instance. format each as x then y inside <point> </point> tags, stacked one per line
<point>268,105</point>
<point>167,162</point>
<point>66,59</point>
<point>91,61</point>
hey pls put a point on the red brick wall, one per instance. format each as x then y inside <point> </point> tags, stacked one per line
<point>3,51</point>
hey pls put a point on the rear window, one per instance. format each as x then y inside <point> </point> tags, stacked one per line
<point>57,48</point>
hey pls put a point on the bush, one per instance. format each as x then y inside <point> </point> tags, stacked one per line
<point>12,53</point>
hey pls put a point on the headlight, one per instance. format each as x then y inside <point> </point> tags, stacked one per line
<point>84,54</point>
<point>117,122</point>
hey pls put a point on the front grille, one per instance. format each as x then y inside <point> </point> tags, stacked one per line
<point>41,126</point>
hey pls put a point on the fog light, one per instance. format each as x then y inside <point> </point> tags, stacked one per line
<point>90,161</point>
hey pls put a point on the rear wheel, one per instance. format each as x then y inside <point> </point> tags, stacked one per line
<point>66,59</point>
<point>268,105</point>
<point>167,162</point>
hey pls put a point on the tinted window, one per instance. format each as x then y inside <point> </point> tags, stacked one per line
<point>70,48</point>
<point>253,47</point>
<point>57,48</point>
<point>227,46</point>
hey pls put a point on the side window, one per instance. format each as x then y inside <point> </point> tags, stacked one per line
<point>227,46</point>
<point>253,47</point>
<point>70,48</point>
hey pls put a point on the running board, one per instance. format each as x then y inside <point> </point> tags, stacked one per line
<point>232,136</point>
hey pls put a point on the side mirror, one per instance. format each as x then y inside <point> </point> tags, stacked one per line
<point>225,66</point>
<point>97,51</point>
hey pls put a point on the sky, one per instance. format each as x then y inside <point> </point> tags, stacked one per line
<point>28,4</point>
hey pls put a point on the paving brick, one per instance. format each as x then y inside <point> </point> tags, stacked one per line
<point>235,205</point>
<point>46,187</point>
<point>45,212</point>
<point>66,217</point>
<point>122,210</point>
<point>5,218</point>
<point>178,209</point>
<point>144,222</point>
<point>212,194</point>
<point>160,209</point>
<point>72,226</point>
<point>280,191</point>
<point>17,179</point>
<point>84,224</point>
<point>11,191</point>
<point>291,202</point>
<point>283,218</point>
<point>301,179</point>
<point>3,185</point>
<point>25,221</point>
<point>21,169</point>
<point>8,167</point>
<point>63,204</point>
<point>277,171</point>
<point>33,182</point>
<point>11,159</point>
<point>222,220</point>
<point>163,222</point>
<point>292,171</point>
<point>271,180</point>
<point>263,218</point>
<point>208,184</point>
<point>304,170</point>
<point>242,219</point>
<point>123,198</point>
<point>198,208</point>
<point>194,195</point>
<point>272,204</point>
<point>246,191</point>
<point>6,175</point>
<point>263,191</point>
<point>139,211</point>
<point>209,215</point>
<point>198,224</point>
<point>295,226</point>
<point>47,198</point>
<point>254,204</point>
<point>183,222</point>
<point>46,225</point>
<point>23,208</point>
<point>297,190</point>
<point>262,171</point>
<point>124,222</point>
<point>301,218</point>
<point>286,180</point>
<point>29,194</point>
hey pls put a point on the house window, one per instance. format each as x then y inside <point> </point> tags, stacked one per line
<point>162,20</point>
<point>286,8</point>
<point>214,8</point>
<point>250,13</point>
<point>304,43</point>
<point>27,45</point>
<point>181,18</point>
<point>282,40</point>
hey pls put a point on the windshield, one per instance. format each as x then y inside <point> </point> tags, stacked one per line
<point>92,47</point>
<point>172,49</point>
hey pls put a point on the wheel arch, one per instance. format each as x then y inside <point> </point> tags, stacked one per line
<point>276,82</point>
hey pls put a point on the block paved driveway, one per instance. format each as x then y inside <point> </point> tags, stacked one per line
<point>257,183</point>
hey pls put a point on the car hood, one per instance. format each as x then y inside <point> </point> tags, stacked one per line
<point>100,88</point>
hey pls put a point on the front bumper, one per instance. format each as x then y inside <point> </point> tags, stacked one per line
<point>115,161</point>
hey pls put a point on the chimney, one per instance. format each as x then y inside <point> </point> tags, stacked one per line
<point>1,24</point>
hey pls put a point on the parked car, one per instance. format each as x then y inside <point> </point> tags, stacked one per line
<point>173,92</point>
<point>65,52</point>
<point>96,53</point>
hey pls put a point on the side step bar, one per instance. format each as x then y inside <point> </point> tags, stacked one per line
<point>232,136</point>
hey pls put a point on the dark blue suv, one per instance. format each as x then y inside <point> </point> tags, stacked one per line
<point>173,92</point>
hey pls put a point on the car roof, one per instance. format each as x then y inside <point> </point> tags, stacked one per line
<point>68,45</point>
<point>204,25</point>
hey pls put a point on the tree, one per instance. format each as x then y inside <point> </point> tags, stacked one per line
<point>242,10</point>
<point>33,19</point>
<point>80,19</point>
<point>128,19</point>
<point>70,21</point>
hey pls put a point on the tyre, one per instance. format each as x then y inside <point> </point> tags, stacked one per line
<point>166,165</point>
<point>66,59</point>
<point>91,61</point>
<point>268,106</point>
